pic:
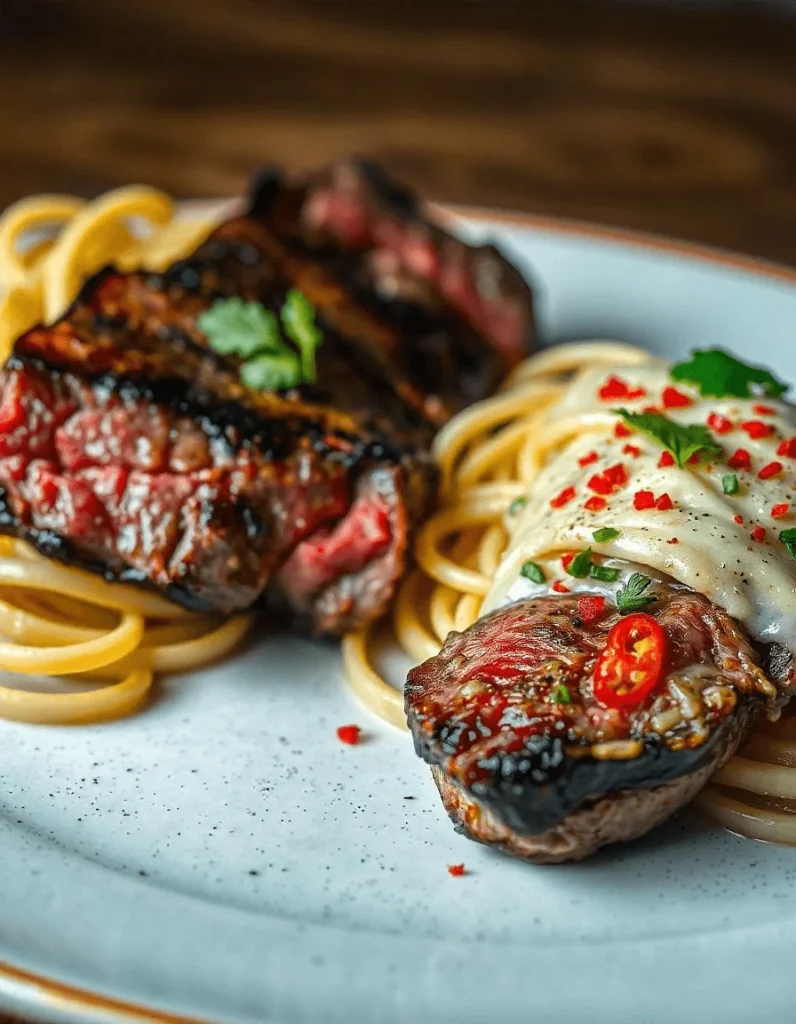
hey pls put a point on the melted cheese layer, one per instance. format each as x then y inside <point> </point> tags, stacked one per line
<point>699,542</point>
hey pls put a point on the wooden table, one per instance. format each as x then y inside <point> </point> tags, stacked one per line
<point>663,117</point>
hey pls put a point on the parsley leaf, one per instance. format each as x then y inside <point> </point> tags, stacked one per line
<point>516,505</point>
<point>235,327</point>
<point>719,374</point>
<point>580,564</point>
<point>560,694</point>
<point>729,483</point>
<point>788,538</point>
<point>533,572</point>
<point>604,534</point>
<point>604,573</point>
<point>631,597</point>
<point>682,441</point>
<point>298,321</point>
<point>272,371</point>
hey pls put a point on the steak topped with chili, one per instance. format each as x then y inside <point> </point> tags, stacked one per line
<point>557,725</point>
<point>130,446</point>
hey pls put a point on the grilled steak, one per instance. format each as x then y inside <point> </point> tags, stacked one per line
<point>551,780</point>
<point>129,446</point>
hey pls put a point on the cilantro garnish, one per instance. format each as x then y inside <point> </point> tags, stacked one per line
<point>516,505</point>
<point>729,483</point>
<point>533,572</point>
<point>682,441</point>
<point>788,538</point>
<point>249,331</point>
<point>719,374</point>
<point>580,564</point>
<point>604,573</point>
<point>604,534</point>
<point>560,694</point>
<point>631,596</point>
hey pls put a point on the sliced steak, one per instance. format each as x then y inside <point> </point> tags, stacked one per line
<point>550,780</point>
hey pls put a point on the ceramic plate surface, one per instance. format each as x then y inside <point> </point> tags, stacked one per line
<point>222,856</point>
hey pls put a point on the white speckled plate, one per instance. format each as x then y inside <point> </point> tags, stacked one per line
<point>223,857</point>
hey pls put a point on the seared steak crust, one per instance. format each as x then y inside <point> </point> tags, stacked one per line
<point>539,779</point>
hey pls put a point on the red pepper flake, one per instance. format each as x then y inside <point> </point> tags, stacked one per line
<point>566,560</point>
<point>759,534</point>
<point>563,498</point>
<point>620,430</point>
<point>651,408</point>
<point>719,424</point>
<point>664,503</point>
<point>674,399</point>
<point>757,429</point>
<point>788,448</point>
<point>642,500</point>
<point>764,410</point>
<point>617,475</point>
<point>740,459</point>
<point>559,587</point>
<point>674,540</point>
<point>779,511</point>
<point>457,870</point>
<point>666,459</point>
<point>595,504</point>
<point>350,734</point>
<point>769,470</point>
<point>587,460</point>
<point>591,608</point>
<point>632,449</point>
<point>694,460</point>
<point>615,387</point>
<point>737,519</point>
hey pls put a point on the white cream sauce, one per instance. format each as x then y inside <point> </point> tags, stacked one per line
<point>698,542</point>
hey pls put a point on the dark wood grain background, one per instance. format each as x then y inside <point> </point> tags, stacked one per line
<point>677,118</point>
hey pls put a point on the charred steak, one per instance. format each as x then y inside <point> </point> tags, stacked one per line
<point>528,760</point>
<point>129,446</point>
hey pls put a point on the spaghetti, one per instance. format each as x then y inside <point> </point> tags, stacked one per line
<point>490,456</point>
<point>109,639</point>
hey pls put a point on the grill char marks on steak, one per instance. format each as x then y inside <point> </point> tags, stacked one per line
<point>519,771</point>
<point>468,313</point>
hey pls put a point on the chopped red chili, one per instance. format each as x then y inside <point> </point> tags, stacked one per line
<point>764,410</point>
<point>632,449</point>
<point>674,399</point>
<point>587,460</point>
<point>759,534</point>
<point>594,504</point>
<point>591,607</point>
<point>457,870</point>
<point>563,498</point>
<point>769,470</point>
<point>559,587</point>
<point>757,429</point>
<point>740,459</point>
<point>651,408</point>
<point>615,387</point>
<point>350,734</point>
<point>632,662</point>
<point>788,448</point>
<point>642,500</point>
<point>666,460</point>
<point>566,560</point>
<point>737,519</point>
<point>719,424</point>
<point>620,430</point>
<point>664,503</point>
<point>779,511</point>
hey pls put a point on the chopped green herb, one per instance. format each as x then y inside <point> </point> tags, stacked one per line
<point>719,374</point>
<point>631,596</point>
<point>235,327</point>
<point>516,505</point>
<point>298,321</point>
<point>788,538</point>
<point>580,564</point>
<point>729,483</point>
<point>271,371</point>
<point>533,572</point>
<point>604,534</point>
<point>560,694</point>
<point>604,573</point>
<point>681,441</point>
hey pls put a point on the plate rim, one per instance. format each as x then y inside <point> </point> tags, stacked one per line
<point>37,991</point>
